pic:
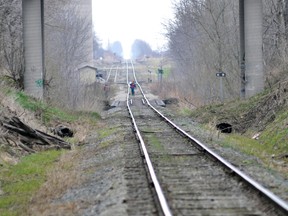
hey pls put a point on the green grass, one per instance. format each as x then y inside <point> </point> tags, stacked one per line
<point>105,132</point>
<point>105,144</point>
<point>230,109</point>
<point>28,103</point>
<point>166,72</point>
<point>19,182</point>
<point>50,113</point>
<point>263,149</point>
<point>244,144</point>
<point>185,112</point>
<point>274,138</point>
<point>155,142</point>
<point>272,142</point>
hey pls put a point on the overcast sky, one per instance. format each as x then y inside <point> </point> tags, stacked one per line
<point>127,20</point>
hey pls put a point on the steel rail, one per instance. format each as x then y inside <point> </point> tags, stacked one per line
<point>161,197</point>
<point>264,191</point>
<point>109,73</point>
<point>116,73</point>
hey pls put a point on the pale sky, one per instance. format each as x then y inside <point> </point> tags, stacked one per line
<point>127,20</point>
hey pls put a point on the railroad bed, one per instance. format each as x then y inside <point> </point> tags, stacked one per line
<point>113,173</point>
<point>192,181</point>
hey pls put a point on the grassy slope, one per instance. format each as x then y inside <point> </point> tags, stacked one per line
<point>18,183</point>
<point>265,114</point>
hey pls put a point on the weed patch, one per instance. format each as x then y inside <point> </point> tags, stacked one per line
<point>21,181</point>
<point>49,113</point>
<point>264,151</point>
<point>105,144</point>
<point>274,138</point>
<point>103,133</point>
<point>154,142</point>
<point>244,144</point>
<point>185,112</point>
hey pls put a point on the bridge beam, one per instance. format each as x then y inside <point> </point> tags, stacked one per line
<point>251,54</point>
<point>33,36</point>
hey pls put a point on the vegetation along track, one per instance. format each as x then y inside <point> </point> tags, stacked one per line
<point>193,179</point>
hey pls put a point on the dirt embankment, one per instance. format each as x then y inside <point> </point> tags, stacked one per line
<point>251,114</point>
<point>10,152</point>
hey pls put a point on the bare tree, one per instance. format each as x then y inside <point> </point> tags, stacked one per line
<point>67,33</point>
<point>11,44</point>
<point>203,41</point>
<point>140,49</point>
<point>97,49</point>
<point>275,34</point>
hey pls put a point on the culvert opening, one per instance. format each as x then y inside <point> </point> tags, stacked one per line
<point>224,127</point>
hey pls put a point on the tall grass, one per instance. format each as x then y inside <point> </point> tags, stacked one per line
<point>274,138</point>
<point>49,113</point>
<point>18,183</point>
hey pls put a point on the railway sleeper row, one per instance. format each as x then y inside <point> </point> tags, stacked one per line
<point>196,183</point>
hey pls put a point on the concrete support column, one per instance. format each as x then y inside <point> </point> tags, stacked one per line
<point>242,47</point>
<point>86,11</point>
<point>33,18</point>
<point>254,73</point>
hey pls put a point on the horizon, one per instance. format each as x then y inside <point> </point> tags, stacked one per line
<point>145,22</point>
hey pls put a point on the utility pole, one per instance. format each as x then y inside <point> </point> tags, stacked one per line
<point>160,73</point>
<point>221,75</point>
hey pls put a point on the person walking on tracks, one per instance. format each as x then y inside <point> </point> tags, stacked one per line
<point>132,87</point>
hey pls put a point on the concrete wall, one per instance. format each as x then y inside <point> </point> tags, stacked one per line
<point>33,47</point>
<point>254,72</point>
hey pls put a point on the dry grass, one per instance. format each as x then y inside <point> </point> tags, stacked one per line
<point>60,179</point>
<point>67,174</point>
<point>170,90</point>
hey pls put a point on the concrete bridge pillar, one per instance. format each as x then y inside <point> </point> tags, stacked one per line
<point>33,34</point>
<point>251,15</point>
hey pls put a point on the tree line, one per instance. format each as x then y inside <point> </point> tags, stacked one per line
<point>204,40</point>
<point>11,44</point>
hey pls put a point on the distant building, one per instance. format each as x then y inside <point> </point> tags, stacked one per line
<point>87,74</point>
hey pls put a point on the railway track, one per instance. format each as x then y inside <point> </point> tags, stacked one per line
<point>184,176</point>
